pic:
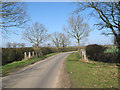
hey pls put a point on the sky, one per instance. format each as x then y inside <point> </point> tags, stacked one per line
<point>54,16</point>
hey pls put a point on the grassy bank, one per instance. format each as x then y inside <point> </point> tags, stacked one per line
<point>11,67</point>
<point>91,75</point>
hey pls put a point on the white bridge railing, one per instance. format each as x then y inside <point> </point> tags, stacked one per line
<point>26,57</point>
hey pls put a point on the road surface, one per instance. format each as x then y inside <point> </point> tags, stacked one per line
<point>43,74</point>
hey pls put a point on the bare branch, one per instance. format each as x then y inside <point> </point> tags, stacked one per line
<point>36,34</point>
<point>77,28</point>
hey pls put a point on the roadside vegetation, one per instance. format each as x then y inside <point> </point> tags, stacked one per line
<point>10,55</point>
<point>14,66</point>
<point>91,74</point>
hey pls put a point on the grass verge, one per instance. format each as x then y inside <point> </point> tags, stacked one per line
<point>11,67</point>
<point>91,75</point>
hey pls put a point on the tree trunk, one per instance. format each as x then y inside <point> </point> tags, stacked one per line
<point>118,53</point>
<point>79,46</point>
<point>37,45</point>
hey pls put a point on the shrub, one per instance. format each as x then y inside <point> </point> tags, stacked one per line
<point>108,57</point>
<point>96,52</point>
<point>66,49</point>
<point>14,54</point>
<point>93,51</point>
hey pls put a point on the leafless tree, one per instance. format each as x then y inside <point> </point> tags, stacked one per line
<point>60,39</point>
<point>13,15</point>
<point>77,28</point>
<point>34,45</point>
<point>48,45</point>
<point>22,45</point>
<point>14,45</point>
<point>36,34</point>
<point>109,14</point>
<point>9,45</point>
<point>64,40</point>
<point>56,39</point>
<point>19,45</point>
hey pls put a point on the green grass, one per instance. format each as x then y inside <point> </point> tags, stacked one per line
<point>11,67</point>
<point>91,75</point>
<point>112,50</point>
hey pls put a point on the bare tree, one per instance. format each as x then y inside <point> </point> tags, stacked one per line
<point>64,40</point>
<point>19,45</point>
<point>14,45</point>
<point>36,34</point>
<point>13,15</point>
<point>109,14</point>
<point>77,28</point>
<point>48,45</point>
<point>9,45</point>
<point>56,39</point>
<point>60,39</point>
<point>22,45</point>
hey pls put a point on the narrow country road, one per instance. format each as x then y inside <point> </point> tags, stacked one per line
<point>43,74</point>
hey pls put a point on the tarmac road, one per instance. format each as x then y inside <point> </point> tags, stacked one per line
<point>43,74</point>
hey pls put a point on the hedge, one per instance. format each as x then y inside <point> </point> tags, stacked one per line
<point>16,54</point>
<point>96,52</point>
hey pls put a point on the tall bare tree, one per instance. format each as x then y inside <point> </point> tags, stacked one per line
<point>36,34</point>
<point>77,28</point>
<point>109,14</point>
<point>13,15</point>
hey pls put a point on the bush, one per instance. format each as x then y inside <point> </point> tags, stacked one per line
<point>108,57</point>
<point>93,51</point>
<point>14,54</point>
<point>96,52</point>
<point>66,49</point>
<point>48,50</point>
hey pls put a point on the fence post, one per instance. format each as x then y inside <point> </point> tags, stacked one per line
<point>36,54</point>
<point>25,55</point>
<point>29,56</point>
<point>33,54</point>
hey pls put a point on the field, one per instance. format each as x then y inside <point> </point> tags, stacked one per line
<point>112,49</point>
<point>91,75</point>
